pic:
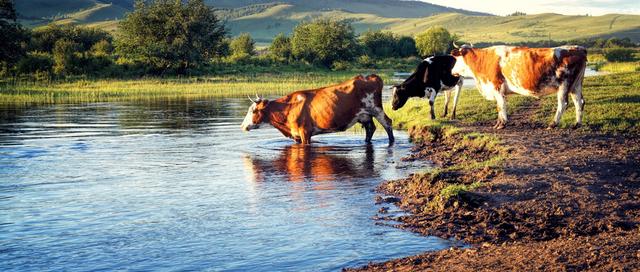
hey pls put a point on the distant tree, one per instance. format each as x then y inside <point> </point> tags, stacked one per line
<point>13,37</point>
<point>64,57</point>
<point>242,46</point>
<point>280,48</point>
<point>618,54</point>
<point>102,48</point>
<point>434,41</point>
<point>377,43</point>
<point>517,13</point>
<point>323,42</point>
<point>406,47</point>
<point>44,39</point>
<point>599,43</point>
<point>170,34</point>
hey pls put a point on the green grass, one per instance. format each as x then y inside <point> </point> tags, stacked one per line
<point>612,104</point>
<point>17,91</point>
<point>619,67</point>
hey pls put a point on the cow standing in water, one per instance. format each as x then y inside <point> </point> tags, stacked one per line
<point>303,114</point>
<point>537,72</point>
<point>432,75</point>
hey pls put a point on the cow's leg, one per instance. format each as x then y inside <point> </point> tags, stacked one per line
<point>447,97</point>
<point>578,102</point>
<point>369,128</point>
<point>432,99</point>
<point>305,136</point>
<point>501,102</point>
<point>457,89</point>
<point>562,94</point>
<point>386,123</point>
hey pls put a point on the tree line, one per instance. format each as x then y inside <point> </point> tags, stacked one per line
<point>186,37</point>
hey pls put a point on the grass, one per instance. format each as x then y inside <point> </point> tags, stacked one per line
<point>16,91</point>
<point>619,67</point>
<point>612,104</point>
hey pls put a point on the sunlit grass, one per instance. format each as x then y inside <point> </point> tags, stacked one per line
<point>16,91</point>
<point>619,67</point>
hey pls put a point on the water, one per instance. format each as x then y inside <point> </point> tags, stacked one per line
<point>178,186</point>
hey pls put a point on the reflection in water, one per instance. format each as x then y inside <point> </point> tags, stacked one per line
<point>299,163</point>
<point>155,185</point>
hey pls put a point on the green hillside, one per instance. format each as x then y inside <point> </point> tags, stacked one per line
<point>263,19</point>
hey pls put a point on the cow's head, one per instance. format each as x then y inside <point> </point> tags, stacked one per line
<point>413,86</point>
<point>461,67</point>
<point>256,114</point>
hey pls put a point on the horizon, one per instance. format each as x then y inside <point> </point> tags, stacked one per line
<point>568,7</point>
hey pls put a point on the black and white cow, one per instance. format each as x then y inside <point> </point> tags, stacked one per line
<point>432,75</point>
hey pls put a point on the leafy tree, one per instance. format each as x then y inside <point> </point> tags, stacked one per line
<point>406,47</point>
<point>242,46</point>
<point>280,48</point>
<point>170,34</point>
<point>13,36</point>
<point>323,42</point>
<point>379,44</point>
<point>64,57</point>
<point>618,54</point>
<point>35,62</point>
<point>102,48</point>
<point>44,39</point>
<point>434,41</point>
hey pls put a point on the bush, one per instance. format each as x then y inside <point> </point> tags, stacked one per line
<point>35,62</point>
<point>435,41</point>
<point>64,59</point>
<point>280,48</point>
<point>324,42</point>
<point>406,47</point>
<point>242,46</point>
<point>379,44</point>
<point>619,54</point>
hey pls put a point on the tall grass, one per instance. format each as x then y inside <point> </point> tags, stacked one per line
<point>619,67</point>
<point>16,91</point>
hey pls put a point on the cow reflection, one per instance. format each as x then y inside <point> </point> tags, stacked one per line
<point>298,163</point>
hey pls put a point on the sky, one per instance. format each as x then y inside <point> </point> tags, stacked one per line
<point>569,7</point>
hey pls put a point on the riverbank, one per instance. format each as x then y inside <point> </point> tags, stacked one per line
<point>526,198</point>
<point>87,90</point>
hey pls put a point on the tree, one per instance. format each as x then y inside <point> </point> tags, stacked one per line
<point>242,46</point>
<point>44,39</point>
<point>170,34</point>
<point>64,57</point>
<point>13,36</point>
<point>280,48</point>
<point>406,47</point>
<point>323,42</point>
<point>434,41</point>
<point>379,44</point>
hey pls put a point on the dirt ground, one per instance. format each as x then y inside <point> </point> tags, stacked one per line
<point>563,200</point>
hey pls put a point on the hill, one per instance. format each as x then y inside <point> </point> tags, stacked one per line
<point>264,19</point>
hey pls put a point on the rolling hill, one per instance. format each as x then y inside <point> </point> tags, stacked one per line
<point>263,19</point>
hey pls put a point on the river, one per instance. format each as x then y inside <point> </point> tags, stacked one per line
<point>176,185</point>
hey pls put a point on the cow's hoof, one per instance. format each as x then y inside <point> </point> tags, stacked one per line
<point>552,126</point>
<point>500,126</point>
<point>576,126</point>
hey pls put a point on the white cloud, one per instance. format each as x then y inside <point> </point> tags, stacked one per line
<point>572,7</point>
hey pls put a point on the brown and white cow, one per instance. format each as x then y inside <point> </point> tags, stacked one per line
<point>537,72</point>
<point>306,113</point>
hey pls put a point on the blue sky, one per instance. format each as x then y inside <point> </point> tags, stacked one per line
<point>574,7</point>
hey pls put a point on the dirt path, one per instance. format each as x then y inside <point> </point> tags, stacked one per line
<point>565,200</point>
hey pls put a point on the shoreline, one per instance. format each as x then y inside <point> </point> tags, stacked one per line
<point>523,198</point>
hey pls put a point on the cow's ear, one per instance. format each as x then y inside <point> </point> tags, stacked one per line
<point>426,75</point>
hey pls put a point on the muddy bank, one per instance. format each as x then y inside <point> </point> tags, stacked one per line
<point>524,198</point>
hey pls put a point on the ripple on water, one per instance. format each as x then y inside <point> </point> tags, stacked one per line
<point>149,186</point>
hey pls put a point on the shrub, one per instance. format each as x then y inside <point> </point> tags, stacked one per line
<point>434,41</point>
<point>619,54</point>
<point>324,42</point>
<point>35,62</point>
<point>379,44</point>
<point>280,48</point>
<point>242,46</point>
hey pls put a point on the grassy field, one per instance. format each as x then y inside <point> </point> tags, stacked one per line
<point>612,105</point>
<point>401,18</point>
<point>86,90</point>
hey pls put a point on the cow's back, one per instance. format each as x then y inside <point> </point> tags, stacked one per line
<point>334,108</point>
<point>540,71</point>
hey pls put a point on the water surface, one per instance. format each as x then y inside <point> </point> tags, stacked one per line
<point>177,186</point>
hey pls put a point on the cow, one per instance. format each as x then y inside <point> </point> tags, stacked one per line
<point>432,75</point>
<point>306,113</point>
<point>503,70</point>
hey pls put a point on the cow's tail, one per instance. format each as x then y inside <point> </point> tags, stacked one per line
<point>578,80</point>
<point>378,87</point>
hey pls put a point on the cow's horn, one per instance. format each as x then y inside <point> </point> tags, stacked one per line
<point>250,99</point>
<point>258,98</point>
<point>471,44</point>
<point>455,45</point>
